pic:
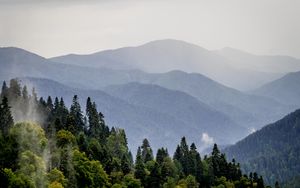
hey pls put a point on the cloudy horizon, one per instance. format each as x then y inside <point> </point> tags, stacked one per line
<point>55,28</point>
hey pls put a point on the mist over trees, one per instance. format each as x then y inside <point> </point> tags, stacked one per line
<point>71,148</point>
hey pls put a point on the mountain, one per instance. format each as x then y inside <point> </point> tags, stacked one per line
<point>273,151</point>
<point>180,106</point>
<point>16,62</point>
<point>191,117</point>
<point>264,63</point>
<point>285,90</point>
<point>247,110</point>
<point>167,55</point>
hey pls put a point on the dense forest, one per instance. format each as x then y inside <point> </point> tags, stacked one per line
<point>45,144</point>
<point>273,151</point>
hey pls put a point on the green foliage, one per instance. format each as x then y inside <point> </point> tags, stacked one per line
<point>9,151</point>
<point>76,116</point>
<point>6,119</point>
<point>191,181</point>
<point>30,136</point>
<point>34,167</point>
<point>89,173</point>
<point>147,154</point>
<point>55,184</point>
<point>272,151</point>
<point>65,138</point>
<point>56,177</point>
<point>117,144</point>
<point>18,180</point>
<point>130,182</point>
<point>72,150</point>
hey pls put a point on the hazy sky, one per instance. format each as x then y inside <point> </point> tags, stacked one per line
<point>77,26</point>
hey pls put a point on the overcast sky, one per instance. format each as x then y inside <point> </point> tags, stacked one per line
<point>73,26</point>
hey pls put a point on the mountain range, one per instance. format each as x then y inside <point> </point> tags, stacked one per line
<point>137,89</point>
<point>232,68</point>
<point>158,118</point>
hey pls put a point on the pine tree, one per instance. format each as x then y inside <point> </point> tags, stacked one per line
<point>6,119</point>
<point>216,158</point>
<point>195,163</point>
<point>154,179</point>
<point>88,106</point>
<point>178,154</point>
<point>25,93</point>
<point>260,183</point>
<point>185,158</point>
<point>63,112</point>
<point>49,103</point>
<point>140,172</point>
<point>76,113</point>
<point>56,104</point>
<point>34,95</point>
<point>125,165</point>
<point>147,154</point>
<point>14,89</point>
<point>161,155</point>
<point>95,129</point>
<point>4,90</point>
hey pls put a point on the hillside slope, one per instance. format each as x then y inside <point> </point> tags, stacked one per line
<point>273,151</point>
<point>142,121</point>
<point>285,90</point>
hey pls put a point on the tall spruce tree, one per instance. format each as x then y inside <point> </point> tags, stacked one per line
<point>140,172</point>
<point>4,90</point>
<point>147,153</point>
<point>6,119</point>
<point>76,113</point>
<point>161,154</point>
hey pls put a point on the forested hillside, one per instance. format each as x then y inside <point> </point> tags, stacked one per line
<point>273,151</point>
<point>65,147</point>
<point>159,117</point>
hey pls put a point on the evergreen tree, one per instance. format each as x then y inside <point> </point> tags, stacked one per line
<point>49,103</point>
<point>216,157</point>
<point>260,182</point>
<point>161,155</point>
<point>94,121</point>
<point>196,168</point>
<point>88,106</point>
<point>154,179</point>
<point>34,95</point>
<point>178,155</point>
<point>25,93</point>
<point>14,89</point>
<point>147,154</point>
<point>140,172</point>
<point>4,90</point>
<point>184,160</point>
<point>6,119</point>
<point>76,113</point>
<point>56,104</point>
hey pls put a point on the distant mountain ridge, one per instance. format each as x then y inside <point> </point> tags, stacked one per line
<point>263,63</point>
<point>285,90</point>
<point>167,55</point>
